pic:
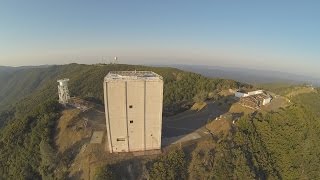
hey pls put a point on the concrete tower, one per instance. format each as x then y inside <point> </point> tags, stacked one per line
<point>133,108</point>
<point>63,91</point>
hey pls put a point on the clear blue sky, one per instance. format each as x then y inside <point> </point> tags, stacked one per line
<point>282,36</point>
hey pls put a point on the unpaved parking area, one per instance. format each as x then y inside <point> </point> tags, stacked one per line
<point>180,139</point>
<point>189,121</point>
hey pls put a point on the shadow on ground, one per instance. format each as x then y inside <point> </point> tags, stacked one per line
<point>190,121</point>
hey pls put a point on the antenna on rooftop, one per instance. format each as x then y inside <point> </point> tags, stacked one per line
<point>115,60</point>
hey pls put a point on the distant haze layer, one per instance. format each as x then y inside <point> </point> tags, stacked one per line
<point>252,76</point>
<point>279,36</point>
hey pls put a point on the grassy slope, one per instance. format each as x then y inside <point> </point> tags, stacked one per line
<point>286,89</point>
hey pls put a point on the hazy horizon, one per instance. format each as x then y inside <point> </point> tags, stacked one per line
<point>279,36</point>
<point>174,65</point>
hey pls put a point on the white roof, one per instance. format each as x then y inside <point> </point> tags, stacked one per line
<point>132,75</point>
<point>63,80</point>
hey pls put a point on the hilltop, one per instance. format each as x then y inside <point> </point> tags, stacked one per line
<point>29,106</point>
<point>86,82</point>
<point>270,143</point>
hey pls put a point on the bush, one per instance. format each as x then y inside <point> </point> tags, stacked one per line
<point>201,97</point>
<point>105,173</point>
<point>169,167</point>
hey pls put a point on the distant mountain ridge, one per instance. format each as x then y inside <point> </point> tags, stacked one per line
<point>10,68</point>
<point>86,81</point>
<point>252,76</point>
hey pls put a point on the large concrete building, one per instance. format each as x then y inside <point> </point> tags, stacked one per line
<point>133,108</point>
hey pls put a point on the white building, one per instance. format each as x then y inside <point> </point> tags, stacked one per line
<point>267,100</point>
<point>253,99</point>
<point>133,108</point>
<point>240,94</point>
<point>63,91</point>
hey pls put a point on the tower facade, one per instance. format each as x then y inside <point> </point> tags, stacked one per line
<point>133,108</point>
<point>63,91</point>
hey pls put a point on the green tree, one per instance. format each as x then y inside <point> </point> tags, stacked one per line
<point>201,96</point>
<point>169,167</point>
<point>105,173</point>
<point>48,157</point>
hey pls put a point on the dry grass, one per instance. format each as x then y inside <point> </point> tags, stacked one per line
<point>86,162</point>
<point>238,108</point>
<point>300,90</point>
<point>225,93</point>
<point>221,126</point>
<point>206,144</point>
<point>73,142</point>
<point>276,104</point>
<point>198,106</point>
<point>67,135</point>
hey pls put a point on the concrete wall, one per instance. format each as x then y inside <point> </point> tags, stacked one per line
<point>133,114</point>
<point>135,107</point>
<point>153,114</point>
<point>266,101</point>
<point>117,120</point>
<point>255,92</point>
<point>240,94</point>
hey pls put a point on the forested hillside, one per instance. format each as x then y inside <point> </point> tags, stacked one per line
<point>20,82</point>
<point>29,106</point>
<point>283,145</point>
<point>86,81</point>
<point>277,145</point>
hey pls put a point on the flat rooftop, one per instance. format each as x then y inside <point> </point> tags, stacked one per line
<point>246,91</point>
<point>258,96</point>
<point>132,75</point>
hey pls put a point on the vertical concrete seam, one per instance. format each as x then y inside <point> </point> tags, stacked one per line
<point>109,129</point>
<point>145,101</point>
<point>161,110</point>
<point>126,95</point>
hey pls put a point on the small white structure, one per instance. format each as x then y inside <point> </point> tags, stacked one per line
<point>116,60</point>
<point>255,92</point>
<point>253,99</point>
<point>241,94</point>
<point>266,100</point>
<point>63,91</point>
